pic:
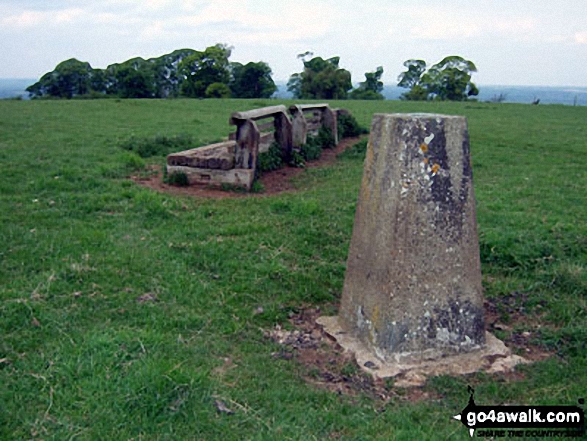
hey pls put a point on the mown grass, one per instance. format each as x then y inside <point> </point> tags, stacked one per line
<point>119,306</point>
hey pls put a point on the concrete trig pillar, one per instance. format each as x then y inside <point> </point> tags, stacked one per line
<point>413,281</point>
<point>412,304</point>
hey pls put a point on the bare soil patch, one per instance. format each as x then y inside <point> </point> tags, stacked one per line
<point>519,330</point>
<point>275,182</point>
<point>325,364</point>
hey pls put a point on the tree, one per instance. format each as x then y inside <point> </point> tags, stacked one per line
<point>320,79</point>
<point>218,90</point>
<point>411,79</point>
<point>202,69</point>
<point>132,79</point>
<point>252,80</point>
<point>200,74</point>
<point>450,79</point>
<point>70,78</point>
<point>371,88</point>
<point>166,73</point>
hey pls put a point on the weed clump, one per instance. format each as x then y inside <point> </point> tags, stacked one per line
<point>271,159</point>
<point>179,179</point>
<point>349,127</point>
<point>158,145</point>
<point>312,150</point>
<point>357,151</point>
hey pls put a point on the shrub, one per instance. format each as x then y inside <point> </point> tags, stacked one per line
<point>297,160</point>
<point>270,160</point>
<point>177,178</point>
<point>348,127</point>
<point>311,150</point>
<point>132,161</point>
<point>325,138</point>
<point>158,145</point>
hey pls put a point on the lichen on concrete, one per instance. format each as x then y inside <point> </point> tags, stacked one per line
<point>413,282</point>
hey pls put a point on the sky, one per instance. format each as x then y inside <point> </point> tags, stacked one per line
<point>512,42</point>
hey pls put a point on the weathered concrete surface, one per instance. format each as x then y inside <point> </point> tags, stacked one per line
<point>215,156</point>
<point>493,357</point>
<point>412,289</point>
<point>249,138</point>
<point>238,177</point>
<point>326,117</point>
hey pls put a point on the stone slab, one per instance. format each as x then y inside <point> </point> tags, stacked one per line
<point>238,177</point>
<point>492,357</point>
<point>215,156</point>
<point>255,114</point>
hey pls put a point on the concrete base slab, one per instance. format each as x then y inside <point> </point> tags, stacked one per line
<point>239,177</point>
<point>493,357</point>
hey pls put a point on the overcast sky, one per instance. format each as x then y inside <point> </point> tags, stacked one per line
<point>512,42</point>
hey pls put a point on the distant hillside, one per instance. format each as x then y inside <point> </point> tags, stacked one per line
<point>11,88</point>
<point>14,87</point>
<point>508,94</point>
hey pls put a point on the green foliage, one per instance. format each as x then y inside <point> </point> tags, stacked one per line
<point>135,78</point>
<point>357,151</point>
<point>371,88</point>
<point>252,80</point>
<point>70,78</point>
<point>413,75</point>
<point>218,90</point>
<point>325,138</point>
<point>448,80</point>
<point>166,73</point>
<point>312,150</point>
<point>349,127</point>
<point>297,160</point>
<point>179,179</point>
<point>132,79</point>
<point>158,145</point>
<point>257,187</point>
<point>361,94</point>
<point>204,68</point>
<point>320,79</point>
<point>133,161</point>
<point>270,160</point>
<point>198,74</point>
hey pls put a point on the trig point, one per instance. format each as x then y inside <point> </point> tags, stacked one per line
<point>412,290</point>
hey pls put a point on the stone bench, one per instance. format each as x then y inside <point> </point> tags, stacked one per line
<point>253,138</point>
<point>234,161</point>
<point>309,119</point>
<point>212,165</point>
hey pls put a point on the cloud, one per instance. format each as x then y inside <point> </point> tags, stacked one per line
<point>30,19</point>
<point>581,37</point>
<point>445,24</point>
<point>26,19</point>
<point>154,31</point>
<point>289,22</point>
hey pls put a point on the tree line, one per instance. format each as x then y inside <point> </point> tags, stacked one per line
<point>210,74</point>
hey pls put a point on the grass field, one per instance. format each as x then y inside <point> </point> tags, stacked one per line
<point>129,314</point>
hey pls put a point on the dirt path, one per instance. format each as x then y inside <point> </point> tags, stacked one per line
<point>275,182</point>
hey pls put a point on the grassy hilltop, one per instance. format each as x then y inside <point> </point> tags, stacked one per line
<point>131,314</point>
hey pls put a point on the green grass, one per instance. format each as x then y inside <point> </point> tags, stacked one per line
<point>83,355</point>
